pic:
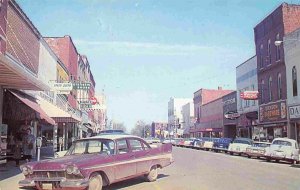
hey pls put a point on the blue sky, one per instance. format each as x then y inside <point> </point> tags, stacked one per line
<point>142,52</point>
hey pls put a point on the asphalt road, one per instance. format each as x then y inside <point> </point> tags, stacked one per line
<point>201,170</point>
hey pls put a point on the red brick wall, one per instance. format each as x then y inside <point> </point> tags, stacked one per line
<point>23,42</point>
<point>60,46</point>
<point>211,95</point>
<point>3,17</point>
<point>291,18</point>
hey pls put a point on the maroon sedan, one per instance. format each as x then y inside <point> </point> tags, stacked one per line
<point>98,161</point>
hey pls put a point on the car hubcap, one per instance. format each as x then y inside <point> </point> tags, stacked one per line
<point>94,184</point>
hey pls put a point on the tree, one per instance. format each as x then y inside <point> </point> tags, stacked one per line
<point>141,129</point>
<point>120,126</point>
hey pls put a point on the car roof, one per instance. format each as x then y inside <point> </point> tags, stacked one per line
<point>242,138</point>
<point>111,136</point>
<point>261,142</point>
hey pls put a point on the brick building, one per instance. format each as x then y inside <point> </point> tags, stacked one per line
<point>201,97</point>
<point>271,68</point>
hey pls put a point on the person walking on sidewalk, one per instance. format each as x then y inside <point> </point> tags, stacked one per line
<point>28,143</point>
<point>18,149</point>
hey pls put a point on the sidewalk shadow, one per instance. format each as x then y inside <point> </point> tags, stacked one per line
<point>8,170</point>
<point>131,182</point>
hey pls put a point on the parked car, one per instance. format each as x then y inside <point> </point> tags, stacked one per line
<point>177,141</point>
<point>239,146</point>
<point>187,142</point>
<point>283,149</point>
<point>98,161</point>
<point>200,142</point>
<point>258,149</point>
<point>151,140</point>
<point>208,144</point>
<point>222,144</point>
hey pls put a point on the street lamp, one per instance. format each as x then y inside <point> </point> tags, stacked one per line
<point>278,42</point>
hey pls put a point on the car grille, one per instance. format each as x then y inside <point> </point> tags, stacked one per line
<point>53,174</point>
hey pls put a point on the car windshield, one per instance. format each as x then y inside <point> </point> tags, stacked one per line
<point>282,143</point>
<point>99,146</point>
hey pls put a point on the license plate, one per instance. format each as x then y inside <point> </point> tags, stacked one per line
<point>47,186</point>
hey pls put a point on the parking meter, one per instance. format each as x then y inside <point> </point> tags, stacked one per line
<point>39,145</point>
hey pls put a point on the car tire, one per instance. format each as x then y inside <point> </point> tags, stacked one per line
<point>95,182</point>
<point>225,151</point>
<point>152,175</point>
<point>277,161</point>
<point>258,157</point>
<point>231,153</point>
<point>249,156</point>
<point>268,159</point>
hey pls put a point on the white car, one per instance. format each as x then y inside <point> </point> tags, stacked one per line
<point>283,149</point>
<point>239,146</point>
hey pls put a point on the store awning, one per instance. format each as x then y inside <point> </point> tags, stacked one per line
<point>59,115</point>
<point>33,105</point>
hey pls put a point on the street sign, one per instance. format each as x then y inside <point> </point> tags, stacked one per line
<point>61,88</point>
<point>93,100</point>
<point>249,95</point>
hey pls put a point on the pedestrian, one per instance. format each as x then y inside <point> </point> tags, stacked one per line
<point>18,149</point>
<point>28,142</point>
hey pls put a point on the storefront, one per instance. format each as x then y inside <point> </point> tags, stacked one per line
<point>230,115</point>
<point>294,123</point>
<point>21,112</point>
<point>247,125</point>
<point>272,121</point>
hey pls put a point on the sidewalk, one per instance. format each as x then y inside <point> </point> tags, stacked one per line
<point>10,175</point>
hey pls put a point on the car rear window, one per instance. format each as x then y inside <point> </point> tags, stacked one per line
<point>282,143</point>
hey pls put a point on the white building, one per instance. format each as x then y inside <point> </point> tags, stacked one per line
<point>175,118</point>
<point>187,118</point>
<point>246,80</point>
<point>292,63</point>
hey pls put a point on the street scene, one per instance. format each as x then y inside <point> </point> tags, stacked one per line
<point>164,95</point>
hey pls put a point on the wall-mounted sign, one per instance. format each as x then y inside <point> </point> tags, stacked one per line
<point>92,107</point>
<point>232,115</point>
<point>229,101</point>
<point>84,101</point>
<point>249,95</point>
<point>272,112</point>
<point>294,112</point>
<point>81,85</point>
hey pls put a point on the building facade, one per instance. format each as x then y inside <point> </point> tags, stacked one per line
<point>188,120</point>
<point>230,115</point>
<point>271,68</point>
<point>201,97</point>
<point>292,60</point>
<point>175,118</point>
<point>246,80</point>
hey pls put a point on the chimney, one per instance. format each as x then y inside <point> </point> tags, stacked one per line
<point>219,87</point>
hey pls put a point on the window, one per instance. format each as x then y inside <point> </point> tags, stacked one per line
<point>279,86</point>
<point>262,85</point>
<point>241,101</point>
<point>269,51</point>
<point>277,49</point>
<point>246,101</point>
<point>261,57</point>
<point>122,146</point>
<point>253,89</point>
<point>294,81</point>
<point>135,145</point>
<point>270,88</point>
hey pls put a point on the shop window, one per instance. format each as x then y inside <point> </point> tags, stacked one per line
<point>294,81</point>
<point>279,86</point>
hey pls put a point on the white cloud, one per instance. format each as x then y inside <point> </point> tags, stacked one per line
<point>138,48</point>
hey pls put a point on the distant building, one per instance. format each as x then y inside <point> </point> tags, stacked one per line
<point>187,118</point>
<point>230,115</point>
<point>202,97</point>
<point>175,118</point>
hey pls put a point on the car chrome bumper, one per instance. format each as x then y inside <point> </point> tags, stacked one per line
<point>80,183</point>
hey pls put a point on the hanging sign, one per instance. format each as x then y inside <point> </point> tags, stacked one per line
<point>81,85</point>
<point>249,95</point>
<point>61,88</point>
